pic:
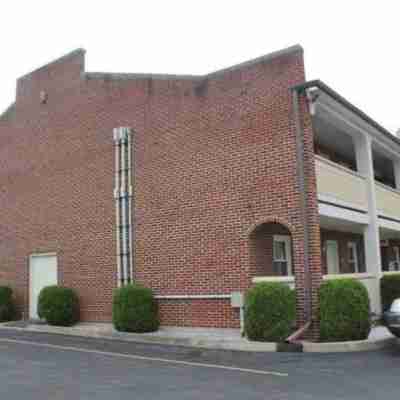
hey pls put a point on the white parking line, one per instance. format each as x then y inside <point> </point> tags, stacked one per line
<point>136,357</point>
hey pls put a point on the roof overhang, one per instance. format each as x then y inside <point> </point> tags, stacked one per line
<point>322,97</point>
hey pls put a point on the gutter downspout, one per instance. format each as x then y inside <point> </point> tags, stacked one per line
<point>302,182</point>
<point>293,338</point>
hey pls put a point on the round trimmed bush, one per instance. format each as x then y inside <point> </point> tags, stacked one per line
<point>135,309</point>
<point>59,306</point>
<point>270,310</point>
<point>7,308</point>
<point>390,290</point>
<point>344,311</point>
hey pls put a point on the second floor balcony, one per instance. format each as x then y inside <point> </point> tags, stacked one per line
<point>387,202</point>
<point>342,173</point>
<point>339,185</point>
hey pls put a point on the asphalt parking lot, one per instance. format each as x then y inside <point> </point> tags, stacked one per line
<point>42,366</point>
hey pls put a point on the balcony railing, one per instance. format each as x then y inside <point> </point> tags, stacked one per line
<point>388,201</point>
<point>340,184</point>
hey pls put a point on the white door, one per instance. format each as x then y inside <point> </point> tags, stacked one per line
<point>332,256</point>
<point>42,273</point>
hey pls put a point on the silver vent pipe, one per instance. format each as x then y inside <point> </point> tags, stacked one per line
<point>123,226</point>
<point>130,205</point>
<point>123,204</point>
<point>117,204</point>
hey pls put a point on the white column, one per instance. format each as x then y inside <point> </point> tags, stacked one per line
<point>363,147</point>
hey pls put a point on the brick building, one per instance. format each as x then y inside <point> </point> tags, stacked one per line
<point>196,186</point>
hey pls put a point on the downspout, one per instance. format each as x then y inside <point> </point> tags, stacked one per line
<point>295,336</point>
<point>302,182</point>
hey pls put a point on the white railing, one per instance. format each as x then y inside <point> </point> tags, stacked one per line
<point>340,184</point>
<point>283,279</point>
<point>388,201</point>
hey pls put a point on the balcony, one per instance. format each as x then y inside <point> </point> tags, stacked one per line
<point>339,185</point>
<point>387,201</point>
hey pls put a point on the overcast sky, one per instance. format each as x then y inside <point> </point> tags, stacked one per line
<point>351,45</point>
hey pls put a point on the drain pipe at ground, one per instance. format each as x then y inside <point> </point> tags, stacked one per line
<point>293,338</point>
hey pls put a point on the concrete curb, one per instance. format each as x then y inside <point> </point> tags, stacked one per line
<point>219,344</point>
<point>351,346</point>
<point>141,338</point>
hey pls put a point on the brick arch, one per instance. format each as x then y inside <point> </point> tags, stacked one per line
<point>260,238</point>
<point>270,220</point>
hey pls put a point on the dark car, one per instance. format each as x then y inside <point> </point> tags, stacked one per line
<point>392,318</point>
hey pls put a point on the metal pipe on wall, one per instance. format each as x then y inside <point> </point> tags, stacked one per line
<point>117,203</point>
<point>123,207</point>
<point>123,194</point>
<point>130,204</point>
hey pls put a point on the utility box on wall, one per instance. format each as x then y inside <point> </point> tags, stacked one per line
<point>237,300</point>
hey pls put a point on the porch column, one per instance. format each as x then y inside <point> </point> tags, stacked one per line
<point>363,147</point>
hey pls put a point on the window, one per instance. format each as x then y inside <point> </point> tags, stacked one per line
<point>396,253</point>
<point>353,256</point>
<point>395,264</point>
<point>282,257</point>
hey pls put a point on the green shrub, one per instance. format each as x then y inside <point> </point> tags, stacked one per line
<point>135,309</point>
<point>59,306</point>
<point>344,311</point>
<point>7,308</point>
<point>390,290</point>
<point>270,310</point>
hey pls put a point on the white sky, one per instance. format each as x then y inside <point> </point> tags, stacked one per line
<point>352,45</point>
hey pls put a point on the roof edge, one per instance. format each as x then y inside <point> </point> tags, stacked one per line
<point>128,76</point>
<point>344,102</point>
<point>7,111</point>
<point>73,53</point>
<point>263,59</point>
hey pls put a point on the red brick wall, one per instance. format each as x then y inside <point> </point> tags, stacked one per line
<point>214,158</point>
<point>199,312</point>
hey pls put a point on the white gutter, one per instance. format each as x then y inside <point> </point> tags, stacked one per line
<point>194,296</point>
